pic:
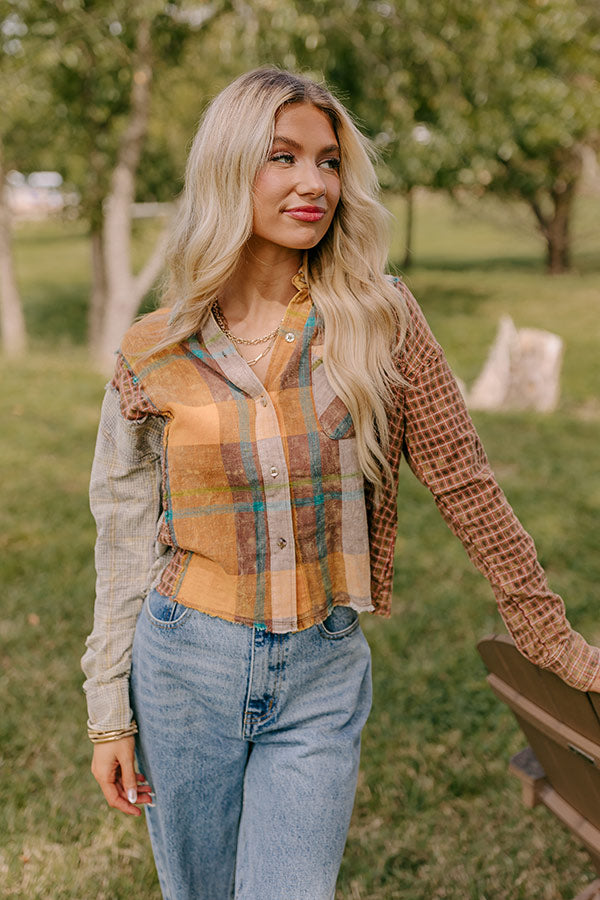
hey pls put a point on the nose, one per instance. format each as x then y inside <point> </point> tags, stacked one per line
<point>310,181</point>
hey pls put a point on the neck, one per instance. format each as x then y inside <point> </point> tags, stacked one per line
<point>261,284</point>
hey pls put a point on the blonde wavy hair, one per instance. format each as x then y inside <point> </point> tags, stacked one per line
<point>362,312</point>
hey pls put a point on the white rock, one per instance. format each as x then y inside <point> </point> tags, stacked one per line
<point>522,371</point>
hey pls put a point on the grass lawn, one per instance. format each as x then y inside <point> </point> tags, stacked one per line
<point>437,815</point>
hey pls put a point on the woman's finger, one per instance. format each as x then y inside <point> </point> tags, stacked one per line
<point>143,790</point>
<point>113,769</point>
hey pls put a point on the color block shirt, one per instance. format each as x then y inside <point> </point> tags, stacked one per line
<point>429,426</point>
<point>263,496</point>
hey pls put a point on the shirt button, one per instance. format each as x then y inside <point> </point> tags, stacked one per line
<point>281,543</point>
<point>263,401</point>
<point>274,472</point>
<point>290,337</point>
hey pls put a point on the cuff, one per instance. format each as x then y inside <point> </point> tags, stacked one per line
<point>577,663</point>
<point>108,707</point>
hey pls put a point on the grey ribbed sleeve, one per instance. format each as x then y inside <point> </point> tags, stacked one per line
<point>125,502</point>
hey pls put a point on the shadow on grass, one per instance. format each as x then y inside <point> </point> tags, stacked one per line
<point>458,298</point>
<point>584,263</point>
<point>50,232</point>
<point>58,312</point>
<point>491,264</point>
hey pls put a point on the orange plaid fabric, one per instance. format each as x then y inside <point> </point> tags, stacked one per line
<point>262,491</point>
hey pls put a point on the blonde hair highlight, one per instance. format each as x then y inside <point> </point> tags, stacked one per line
<point>362,312</point>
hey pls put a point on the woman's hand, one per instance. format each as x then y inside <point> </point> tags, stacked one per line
<point>114,769</point>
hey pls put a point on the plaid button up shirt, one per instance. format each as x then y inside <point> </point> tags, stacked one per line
<point>428,424</point>
<point>263,497</point>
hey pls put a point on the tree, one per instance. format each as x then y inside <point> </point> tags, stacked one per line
<point>25,60</point>
<point>108,57</point>
<point>530,78</point>
<point>499,97</point>
<point>104,54</point>
<point>391,66</point>
<point>12,319</point>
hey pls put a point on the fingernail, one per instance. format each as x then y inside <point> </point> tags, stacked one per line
<point>132,795</point>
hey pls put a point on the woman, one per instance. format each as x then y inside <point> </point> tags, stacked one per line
<point>244,488</point>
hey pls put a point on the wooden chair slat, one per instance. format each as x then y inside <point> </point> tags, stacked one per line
<point>561,768</point>
<point>570,775</point>
<point>579,710</point>
<point>550,725</point>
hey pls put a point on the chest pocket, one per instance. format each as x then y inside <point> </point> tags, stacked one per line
<point>331,411</point>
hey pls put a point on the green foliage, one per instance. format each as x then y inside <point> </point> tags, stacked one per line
<point>531,73</point>
<point>92,81</point>
<point>87,71</point>
<point>24,59</point>
<point>437,814</point>
<point>497,97</point>
<point>493,97</point>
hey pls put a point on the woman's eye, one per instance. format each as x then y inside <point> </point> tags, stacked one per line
<point>282,157</point>
<point>332,163</point>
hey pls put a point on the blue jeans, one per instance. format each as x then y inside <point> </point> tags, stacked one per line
<point>251,742</point>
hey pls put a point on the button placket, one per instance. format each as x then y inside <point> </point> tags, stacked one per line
<point>278,504</point>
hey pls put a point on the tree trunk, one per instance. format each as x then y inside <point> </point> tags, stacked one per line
<point>558,239</point>
<point>122,290</point>
<point>98,296</point>
<point>408,253</point>
<point>12,320</point>
<point>555,223</point>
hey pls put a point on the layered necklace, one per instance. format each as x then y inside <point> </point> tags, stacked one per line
<point>270,337</point>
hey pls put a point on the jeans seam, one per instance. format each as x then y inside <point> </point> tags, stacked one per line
<point>251,718</point>
<point>165,623</point>
<point>255,720</point>
<point>245,720</point>
<point>169,624</point>
<point>336,635</point>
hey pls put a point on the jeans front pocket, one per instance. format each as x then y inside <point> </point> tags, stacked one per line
<point>162,611</point>
<point>340,622</point>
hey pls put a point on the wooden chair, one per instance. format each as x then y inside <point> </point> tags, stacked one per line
<point>561,766</point>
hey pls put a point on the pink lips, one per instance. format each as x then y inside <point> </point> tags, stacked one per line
<point>306,213</point>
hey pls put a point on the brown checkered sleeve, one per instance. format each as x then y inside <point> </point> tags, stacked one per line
<point>445,453</point>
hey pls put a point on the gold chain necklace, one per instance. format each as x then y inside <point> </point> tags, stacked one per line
<point>222,323</point>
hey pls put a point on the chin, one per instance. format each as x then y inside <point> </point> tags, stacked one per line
<point>307,243</point>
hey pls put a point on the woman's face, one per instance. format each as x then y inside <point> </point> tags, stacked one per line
<point>297,190</point>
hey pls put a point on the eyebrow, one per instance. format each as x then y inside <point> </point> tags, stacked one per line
<point>280,139</point>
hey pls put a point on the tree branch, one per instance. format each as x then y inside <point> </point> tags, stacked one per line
<point>145,279</point>
<point>117,233</point>
<point>543,220</point>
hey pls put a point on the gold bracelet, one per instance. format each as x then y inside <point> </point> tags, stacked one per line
<point>103,737</point>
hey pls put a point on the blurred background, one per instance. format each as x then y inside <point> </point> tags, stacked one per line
<point>487,120</point>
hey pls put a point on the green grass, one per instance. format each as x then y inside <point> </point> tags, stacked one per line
<point>437,815</point>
